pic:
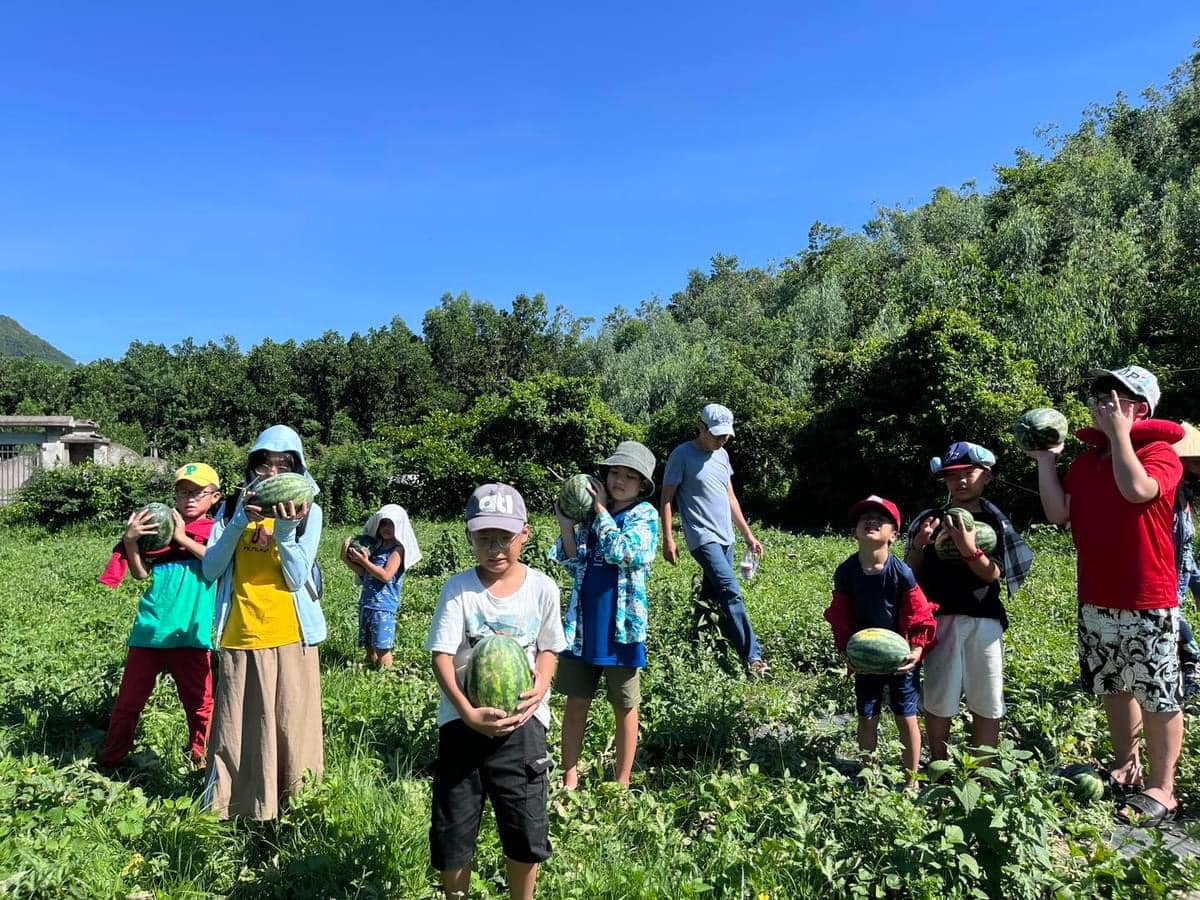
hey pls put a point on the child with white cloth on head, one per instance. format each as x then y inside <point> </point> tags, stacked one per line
<point>380,570</point>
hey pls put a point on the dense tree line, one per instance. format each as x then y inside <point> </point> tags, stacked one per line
<point>848,364</point>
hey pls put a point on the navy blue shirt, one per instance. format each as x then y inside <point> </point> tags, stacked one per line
<point>874,599</point>
<point>598,613</point>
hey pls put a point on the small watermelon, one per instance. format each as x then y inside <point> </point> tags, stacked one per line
<point>574,499</point>
<point>498,673</point>
<point>962,517</point>
<point>363,542</point>
<point>877,651</point>
<point>1085,783</point>
<point>281,488</point>
<point>165,519</point>
<point>985,540</point>
<point>1041,429</point>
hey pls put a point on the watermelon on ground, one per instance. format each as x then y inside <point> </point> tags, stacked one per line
<point>1041,429</point>
<point>282,488</point>
<point>575,501</point>
<point>498,673</point>
<point>1085,783</point>
<point>164,517</point>
<point>877,651</point>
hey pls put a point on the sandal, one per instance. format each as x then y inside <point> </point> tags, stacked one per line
<point>1147,812</point>
<point>1114,788</point>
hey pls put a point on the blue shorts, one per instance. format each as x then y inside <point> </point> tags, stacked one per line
<point>376,628</point>
<point>904,693</point>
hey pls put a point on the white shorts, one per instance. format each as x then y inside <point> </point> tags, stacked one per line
<point>968,659</point>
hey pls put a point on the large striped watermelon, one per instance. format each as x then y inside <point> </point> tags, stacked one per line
<point>574,499</point>
<point>1041,429</point>
<point>363,542</point>
<point>282,488</point>
<point>164,517</point>
<point>1085,783</point>
<point>877,651</point>
<point>962,517</point>
<point>985,540</point>
<point>498,673</point>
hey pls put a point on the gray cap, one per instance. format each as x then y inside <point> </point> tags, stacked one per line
<point>1138,381</point>
<point>718,419</point>
<point>496,506</point>
<point>634,456</point>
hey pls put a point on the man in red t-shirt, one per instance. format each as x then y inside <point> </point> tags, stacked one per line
<point>1118,498</point>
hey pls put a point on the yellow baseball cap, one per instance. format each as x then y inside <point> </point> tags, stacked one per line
<point>198,473</point>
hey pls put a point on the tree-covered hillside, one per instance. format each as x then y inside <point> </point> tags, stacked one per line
<point>15,341</point>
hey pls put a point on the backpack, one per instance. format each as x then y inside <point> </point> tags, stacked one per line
<point>315,585</point>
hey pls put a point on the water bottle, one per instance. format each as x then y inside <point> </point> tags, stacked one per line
<point>748,567</point>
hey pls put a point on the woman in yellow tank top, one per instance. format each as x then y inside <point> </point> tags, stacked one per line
<point>267,717</point>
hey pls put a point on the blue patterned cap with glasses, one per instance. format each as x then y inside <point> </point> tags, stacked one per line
<point>962,455</point>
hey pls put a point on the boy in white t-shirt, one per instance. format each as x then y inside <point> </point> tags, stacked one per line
<point>486,752</point>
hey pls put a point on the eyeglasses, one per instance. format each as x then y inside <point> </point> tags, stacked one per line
<point>274,465</point>
<point>492,543</point>
<point>189,494</point>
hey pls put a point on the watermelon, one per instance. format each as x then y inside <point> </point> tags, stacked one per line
<point>281,488</point>
<point>1041,429</point>
<point>877,651</point>
<point>985,540</point>
<point>1085,783</point>
<point>575,501</point>
<point>498,673</point>
<point>164,517</point>
<point>363,542</point>
<point>962,517</point>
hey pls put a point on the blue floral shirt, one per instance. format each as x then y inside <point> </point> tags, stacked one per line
<point>631,549</point>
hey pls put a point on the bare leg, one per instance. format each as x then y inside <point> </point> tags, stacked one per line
<point>369,661</point>
<point>937,730</point>
<point>1164,739</point>
<point>910,737</point>
<point>521,879</point>
<point>456,882</point>
<point>627,735</point>
<point>574,723</point>
<point>985,732</point>
<point>383,659</point>
<point>1124,727</point>
<point>868,733</point>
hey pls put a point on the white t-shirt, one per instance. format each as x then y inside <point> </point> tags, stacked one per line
<point>467,613</point>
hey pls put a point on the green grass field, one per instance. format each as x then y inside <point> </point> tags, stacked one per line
<point>739,791</point>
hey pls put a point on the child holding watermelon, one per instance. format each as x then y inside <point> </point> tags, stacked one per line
<point>969,657</point>
<point>488,751</point>
<point>875,589</point>
<point>172,630</point>
<point>380,569</point>
<point>609,556</point>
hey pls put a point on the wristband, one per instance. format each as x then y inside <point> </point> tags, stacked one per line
<point>974,556</point>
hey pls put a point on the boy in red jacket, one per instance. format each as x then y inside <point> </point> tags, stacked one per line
<point>874,589</point>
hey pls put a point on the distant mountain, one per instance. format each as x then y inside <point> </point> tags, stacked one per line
<point>16,341</point>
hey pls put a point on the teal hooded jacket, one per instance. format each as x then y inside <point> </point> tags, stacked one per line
<point>296,555</point>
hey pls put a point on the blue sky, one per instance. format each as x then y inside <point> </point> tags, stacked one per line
<point>169,170</point>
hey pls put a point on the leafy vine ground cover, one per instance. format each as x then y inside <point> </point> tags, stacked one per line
<point>740,789</point>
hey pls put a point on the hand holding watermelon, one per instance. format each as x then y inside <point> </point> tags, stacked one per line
<point>911,660</point>
<point>141,524</point>
<point>961,531</point>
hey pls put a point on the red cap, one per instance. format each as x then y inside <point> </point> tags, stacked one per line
<point>876,502</point>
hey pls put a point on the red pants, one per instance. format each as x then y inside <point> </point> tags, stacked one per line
<point>190,668</point>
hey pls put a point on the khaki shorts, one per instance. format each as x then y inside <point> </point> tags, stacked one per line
<point>576,678</point>
<point>968,659</point>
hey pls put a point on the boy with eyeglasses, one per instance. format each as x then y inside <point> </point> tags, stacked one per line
<point>971,619</point>
<point>172,630</point>
<point>487,752</point>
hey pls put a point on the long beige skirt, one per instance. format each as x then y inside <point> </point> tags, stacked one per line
<point>266,730</point>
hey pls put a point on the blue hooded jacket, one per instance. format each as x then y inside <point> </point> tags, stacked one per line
<point>296,556</point>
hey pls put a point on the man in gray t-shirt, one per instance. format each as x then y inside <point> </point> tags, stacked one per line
<point>698,479</point>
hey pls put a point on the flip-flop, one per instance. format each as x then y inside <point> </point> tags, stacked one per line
<point>1147,812</point>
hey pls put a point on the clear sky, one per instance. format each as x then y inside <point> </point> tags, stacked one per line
<point>172,169</point>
